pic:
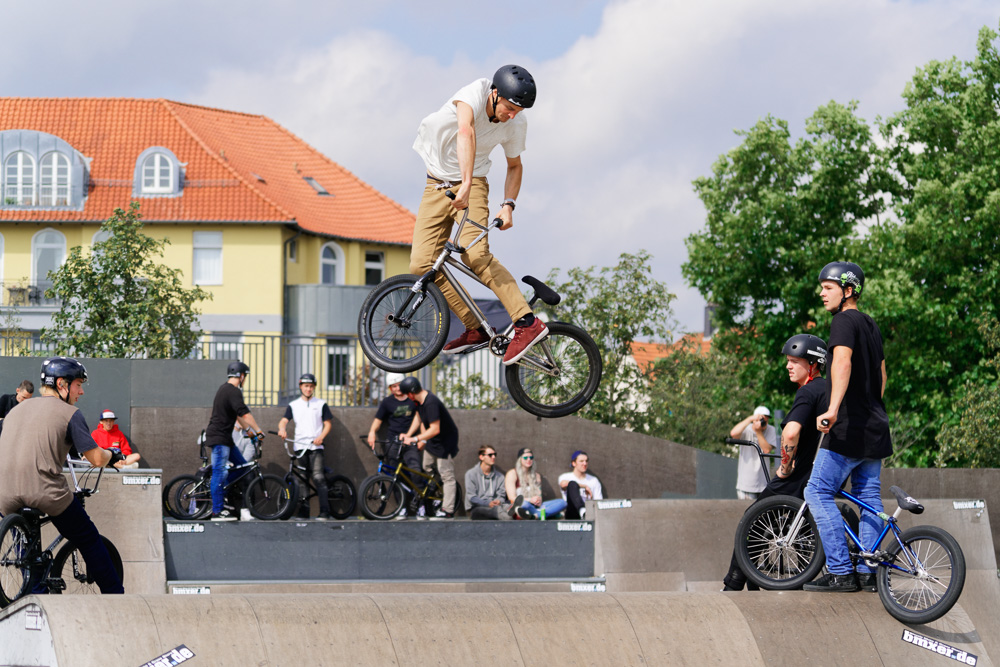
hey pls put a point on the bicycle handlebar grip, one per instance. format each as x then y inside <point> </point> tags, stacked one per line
<point>825,422</point>
<point>497,221</point>
<point>116,456</point>
<point>449,194</point>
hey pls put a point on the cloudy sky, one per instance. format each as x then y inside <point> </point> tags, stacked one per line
<point>636,97</point>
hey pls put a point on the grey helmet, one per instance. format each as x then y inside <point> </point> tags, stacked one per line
<point>806,346</point>
<point>515,84</point>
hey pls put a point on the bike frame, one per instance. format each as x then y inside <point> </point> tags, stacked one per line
<point>398,474</point>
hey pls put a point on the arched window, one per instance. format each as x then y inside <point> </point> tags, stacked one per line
<point>157,174</point>
<point>48,252</point>
<point>331,264</point>
<point>19,180</point>
<point>54,180</point>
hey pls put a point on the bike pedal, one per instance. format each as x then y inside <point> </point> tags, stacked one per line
<point>55,584</point>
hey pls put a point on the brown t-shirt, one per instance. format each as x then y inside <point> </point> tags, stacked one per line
<point>33,446</point>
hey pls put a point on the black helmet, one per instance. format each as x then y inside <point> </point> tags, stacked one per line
<point>410,385</point>
<point>806,346</point>
<point>844,274</point>
<point>307,378</point>
<point>515,84</point>
<point>62,367</point>
<point>236,369</point>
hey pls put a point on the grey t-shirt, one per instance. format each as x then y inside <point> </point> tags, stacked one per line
<point>750,476</point>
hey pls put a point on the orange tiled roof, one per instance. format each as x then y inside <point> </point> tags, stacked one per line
<point>646,354</point>
<point>224,151</point>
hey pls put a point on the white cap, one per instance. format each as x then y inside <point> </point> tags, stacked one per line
<point>761,410</point>
<point>394,378</point>
<point>107,414</point>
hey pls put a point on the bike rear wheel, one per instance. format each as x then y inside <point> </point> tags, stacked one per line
<point>764,552</point>
<point>923,577</point>
<point>15,558</point>
<point>70,566</point>
<point>342,496</point>
<point>382,497</point>
<point>268,497</point>
<point>192,498</point>
<point>403,345</point>
<point>558,375</point>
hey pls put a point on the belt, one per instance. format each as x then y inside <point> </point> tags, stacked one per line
<point>445,182</point>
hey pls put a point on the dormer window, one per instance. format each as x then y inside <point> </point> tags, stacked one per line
<point>19,180</point>
<point>41,171</point>
<point>54,182</point>
<point>158,173</point>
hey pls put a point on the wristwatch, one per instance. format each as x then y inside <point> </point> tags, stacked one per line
<point>509,202</point>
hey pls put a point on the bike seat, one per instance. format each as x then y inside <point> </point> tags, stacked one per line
<point>542,291</point>
<point>907,502</point>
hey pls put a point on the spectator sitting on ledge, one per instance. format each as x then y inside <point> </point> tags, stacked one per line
<point>525,481</point>
<point>579,487</point>
<point>484,489</point>
<point>108,436</point>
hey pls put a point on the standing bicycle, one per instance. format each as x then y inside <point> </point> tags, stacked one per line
<point>35,440</point>
<point>341,496</point>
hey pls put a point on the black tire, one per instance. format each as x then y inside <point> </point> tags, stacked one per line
<point>268,497</point>
<point>169,492</point>
<point>558,375</point>
<point>382,498</point>
<point>343,498</point>
<point>396,347</point>
<point>192,498</point>
<point>15,558</point>
<point>762,553</point>
<point>912,596</point>
<point>295,493</point>
<point>72,569</point>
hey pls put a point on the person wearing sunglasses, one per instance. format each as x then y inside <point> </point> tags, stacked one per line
<point>525,480</point>
<point>484,489</point>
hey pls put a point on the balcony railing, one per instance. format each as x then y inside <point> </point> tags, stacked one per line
<point>23,294</point>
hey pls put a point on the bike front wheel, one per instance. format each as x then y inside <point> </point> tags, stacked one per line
<point>268,497</point>
<point>382,497</point>
<point>342,496</point>
<point>192,498</point>
<point>72,569</point>
<point>15,558</point>
<point>558,375</point>
<point>768,555</point>
<point>401,330</point>
<point>923,575</point>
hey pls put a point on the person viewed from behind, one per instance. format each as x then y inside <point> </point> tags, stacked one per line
<point>434,433</point>
<point>35,441</point>
<point>805,357</point>
<point>313,421</point>
<point>750,477</point>
<point>524,480</point>
<point>107,435</point>
<point>578,486</point>
<point>856,427</point>
<point>485,496</point>
<point>24,391</point>
<point>396,412</point>
<point>455,143</point>
<point>228,409</point>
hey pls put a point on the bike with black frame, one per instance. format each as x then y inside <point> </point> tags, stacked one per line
<point>340,490</point>
<point>395,487</point>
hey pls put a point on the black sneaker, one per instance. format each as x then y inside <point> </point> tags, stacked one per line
<point>512,512</point>
<point>224,515</point>
<point>833,583</point>
<point>867,582</point>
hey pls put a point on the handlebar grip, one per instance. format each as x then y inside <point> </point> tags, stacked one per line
<point>449,194</point>
<point>497,221</point>
<point>825,422</point>
<point>273,432</point>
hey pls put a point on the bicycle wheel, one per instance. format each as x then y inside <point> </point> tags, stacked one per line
<point>343,498</point>
<point>558,375</point>
<point>763,549</point>
<point>403,345</point>
<point>268,497</point>
<point>192,498</point>
<point>72,569</point>
<point>382,497</point>
<point>921,579</point>
<point>169,493</point>
<point>15,558</point>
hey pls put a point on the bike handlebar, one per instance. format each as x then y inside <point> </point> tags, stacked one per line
<point>496,221</point>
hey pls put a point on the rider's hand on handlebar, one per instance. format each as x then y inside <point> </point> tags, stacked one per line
<point>506,218</point>
<point>460,201</point>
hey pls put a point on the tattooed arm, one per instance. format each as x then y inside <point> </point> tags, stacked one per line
<point>789,446</point>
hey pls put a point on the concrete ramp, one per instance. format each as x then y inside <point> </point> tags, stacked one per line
<point>473,629</point>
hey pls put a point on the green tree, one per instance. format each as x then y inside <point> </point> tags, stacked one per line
<point>472,392</point>
<point>118,302</point>
<point>617,306</point>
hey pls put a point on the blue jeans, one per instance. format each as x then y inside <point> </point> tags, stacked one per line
<point>552,507</point>
<point>222,454</point>
<point>828,474</point>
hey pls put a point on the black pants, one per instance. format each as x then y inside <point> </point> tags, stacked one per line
<point>75,525</point>
<point>575,501</point>
<point>316,465</point>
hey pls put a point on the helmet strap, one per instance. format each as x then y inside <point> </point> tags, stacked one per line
<point>494,97</point>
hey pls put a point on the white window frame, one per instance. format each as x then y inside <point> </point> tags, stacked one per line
<point>207,246</point>
<point>337,262</point>
<point>339,347</point>
<point>60,187</point>
<point>14,184</point>
<point>373,265</point>
<point>37,245</point>
<point>158,162</point>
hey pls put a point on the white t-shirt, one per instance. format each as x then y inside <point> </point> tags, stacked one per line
<point>437,137</point>
<point>308,418</point>
<point>750,476</point>
<point>589,482</point>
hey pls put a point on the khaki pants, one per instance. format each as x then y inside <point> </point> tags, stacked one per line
<point>435,220</point>
<point>445,468</point>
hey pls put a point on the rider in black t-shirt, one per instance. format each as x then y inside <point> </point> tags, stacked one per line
<point>856,425</point>
<point>806,357</point>
<point>435,434</point>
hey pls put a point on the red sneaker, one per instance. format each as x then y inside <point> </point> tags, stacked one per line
<point>524,338</point>
<point>470,338</point>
